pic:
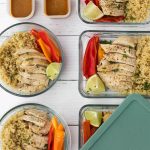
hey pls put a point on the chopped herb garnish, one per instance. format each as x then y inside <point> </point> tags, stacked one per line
<point>106,42</point>
<point>146,86</point>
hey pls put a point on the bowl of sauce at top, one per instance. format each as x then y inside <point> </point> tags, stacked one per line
<point>57,8</point>
<point>22,9</point>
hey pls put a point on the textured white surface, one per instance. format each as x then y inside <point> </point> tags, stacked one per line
<point>63,97</point>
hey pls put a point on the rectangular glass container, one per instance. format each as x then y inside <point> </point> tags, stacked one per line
<point>81,6</point>
<point>100,108</point>
<point>104,35</point>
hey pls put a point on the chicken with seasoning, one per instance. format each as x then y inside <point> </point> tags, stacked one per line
<point>32,129</point>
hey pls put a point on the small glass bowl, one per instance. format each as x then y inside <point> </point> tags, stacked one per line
<point>51,113</point>
<point>27,26</point>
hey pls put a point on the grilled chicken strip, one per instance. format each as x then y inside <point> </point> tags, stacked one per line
<point>108,48</point>
<point>37,113</point>
<point>112,8</point>
<point>126,41</point>
<point>34,69</point>
<point>39,130</point>
<point>39,141</point>
<point>120,58</point>
<point>24,51</point>
<point>36,62</point>
<point>117,66</point>
<point>37,121</point>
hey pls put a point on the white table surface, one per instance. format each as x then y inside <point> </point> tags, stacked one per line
<point>63,97</point>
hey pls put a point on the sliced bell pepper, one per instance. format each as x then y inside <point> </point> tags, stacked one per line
<point>111,19</point>
<point>50,138</point>
<point>55,122</point>
<point>45,49</point>
<point>86,131</point>
<point>93,130</point>
<point>90,57</point>
<point>56,55</point>
<point>60,127</point>
<point>100,54</point>
<point>35,33</point>
<point>96,2</point>
<point>59,140</point>
<point>87,1</point>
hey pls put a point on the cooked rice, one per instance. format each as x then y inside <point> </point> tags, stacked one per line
<point>137,10</point>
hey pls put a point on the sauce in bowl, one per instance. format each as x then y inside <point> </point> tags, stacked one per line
<point>21,8</point>
<point>56,7</point>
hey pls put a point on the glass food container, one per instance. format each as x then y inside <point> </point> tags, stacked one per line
<point>98,108</point>
<point>104,35</point>
<point>50,112</point>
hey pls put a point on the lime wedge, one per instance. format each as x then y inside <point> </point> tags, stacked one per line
<point>53,70</point>
<point>94,85</point>
<point>92,12</point>
<point>94,117</point>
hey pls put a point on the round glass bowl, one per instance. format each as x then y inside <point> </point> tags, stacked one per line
<point>50,112</point>
<point>22,27</point>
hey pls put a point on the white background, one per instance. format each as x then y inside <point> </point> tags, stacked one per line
<point>63,97</point>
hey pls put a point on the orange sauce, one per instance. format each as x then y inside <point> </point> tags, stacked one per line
<point>56,7</point>
<point>21,8</point>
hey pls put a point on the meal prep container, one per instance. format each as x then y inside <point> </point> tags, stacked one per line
<point>27,26</point>
<point>104,35</point>
<point>81,6</point>
<point>58,16</point>
<point>126,129</point>
<point>51,113</point>
<point>99,108</point>
<point>22,18</point>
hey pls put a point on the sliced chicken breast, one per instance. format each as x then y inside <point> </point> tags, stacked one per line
<point>34,62</point>
<point>112,8</point>
<point>39,141</point>
<point>117,66</point>
<point>126,41</point>
<point>24,51</point>
<point>39,130</point>
<point>120,58</point>
<point>37,113</point>
<point>108,48</point>
<point>37,121</point>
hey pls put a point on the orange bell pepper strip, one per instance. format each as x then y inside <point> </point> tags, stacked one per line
<point>100,54</point>
<point>45,49</point>
<point>59,140</point>
<point>55,122</point>
<point>90,57</point>
<point>56,55</point>
<point>50,138</point>
<point>61,127</point>
<point>86,131</point>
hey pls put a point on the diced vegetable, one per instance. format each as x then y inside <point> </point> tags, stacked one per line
<point>86,130</point>
<point>45,49</point>
<point>110,19</point>
<point>59,140</point>
<point>90,57</point>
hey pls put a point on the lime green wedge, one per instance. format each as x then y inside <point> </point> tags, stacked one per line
<point>94,117</point>
<point>94,85</point>
<point>92,12</point>
<point>53,70</point>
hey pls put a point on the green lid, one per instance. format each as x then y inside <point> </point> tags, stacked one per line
<point>127,129</point>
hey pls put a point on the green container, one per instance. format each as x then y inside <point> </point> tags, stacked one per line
<point>127,129</point>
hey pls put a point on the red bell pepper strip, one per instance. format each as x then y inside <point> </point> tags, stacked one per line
<point>90,57</point>
<point>93,130</point>
<point>87,1</point>
<point>86,131</point>
<point>111,19</point>
<point>51,138</point>
<point>56,56</point>
<point>96,2</point>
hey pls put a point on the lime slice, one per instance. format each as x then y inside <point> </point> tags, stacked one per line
<point>53,70</point>
<point>94,117</point>
<point>92,12</point>
<point>94,85</point>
